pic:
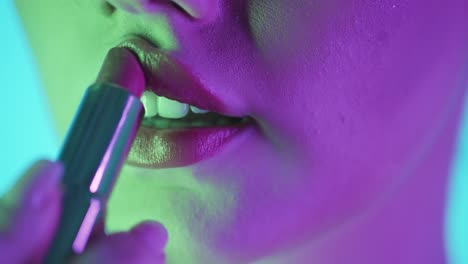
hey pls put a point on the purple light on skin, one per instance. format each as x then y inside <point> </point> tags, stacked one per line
<point>86,226</point>
<point>105,160</point>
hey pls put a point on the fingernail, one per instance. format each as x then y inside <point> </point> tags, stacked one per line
<point>152,234</point>
<point>46,176</point>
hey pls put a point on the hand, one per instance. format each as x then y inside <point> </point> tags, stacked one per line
<point>29,216</point>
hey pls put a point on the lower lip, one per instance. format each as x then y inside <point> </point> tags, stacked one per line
<point>166,148</point>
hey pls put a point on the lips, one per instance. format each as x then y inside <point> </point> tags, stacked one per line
<point>176,147</point>
<point>169,78</point>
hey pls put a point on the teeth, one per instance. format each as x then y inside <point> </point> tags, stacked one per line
<point>150,103</point>
<point>168,108</point>
<point>197,110</point>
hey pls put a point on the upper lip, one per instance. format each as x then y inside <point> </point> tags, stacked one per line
<point>165,76</point>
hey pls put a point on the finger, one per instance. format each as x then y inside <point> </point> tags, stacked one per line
<point>5,212</point>
<point>33,222</point>
<point>10,198</point>
<point>143,244</point>
<point>9,201</point>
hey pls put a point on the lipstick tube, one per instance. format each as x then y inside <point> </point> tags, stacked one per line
<point>95,148</point>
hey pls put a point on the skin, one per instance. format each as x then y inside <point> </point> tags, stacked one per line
<point>357,105</point>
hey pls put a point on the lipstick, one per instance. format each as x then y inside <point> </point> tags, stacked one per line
<point>95,148</point>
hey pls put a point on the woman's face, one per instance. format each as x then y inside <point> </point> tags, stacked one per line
<point>346,96</point>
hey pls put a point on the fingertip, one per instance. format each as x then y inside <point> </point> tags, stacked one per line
<point>46,178</point>
<point>58,166</point>
<point>44,168</point>
<point>33,225</point>
<point>142,244</point>
<point>151,233</point>
<point>51,167</point>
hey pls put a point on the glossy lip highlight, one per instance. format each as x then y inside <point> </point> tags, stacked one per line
<point>170,148</point>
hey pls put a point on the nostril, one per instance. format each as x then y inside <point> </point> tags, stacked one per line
<point>155,6</point>
<point>202,10</point>
<point>181,8</point>
<point>192,9</point>
<point>129,6</point>
<point>108,8</point>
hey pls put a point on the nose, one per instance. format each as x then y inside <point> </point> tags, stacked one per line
<point>197,9</point>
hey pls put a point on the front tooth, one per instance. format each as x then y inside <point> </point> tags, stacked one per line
<point>150,103</point>
<point>197,110</point>
<point>168,108</point>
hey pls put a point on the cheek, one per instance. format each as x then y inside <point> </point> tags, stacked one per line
<point>327,90</point>
<point>350,101</point>
<point>279,28</point>
<point>268,24</point>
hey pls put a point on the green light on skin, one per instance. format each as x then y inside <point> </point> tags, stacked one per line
<point>69,54</point>
<point>175,198</point>
<point>268,22</point>
<point>160,30</point>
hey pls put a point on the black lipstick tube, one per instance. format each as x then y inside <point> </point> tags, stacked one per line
<point>95,148</point>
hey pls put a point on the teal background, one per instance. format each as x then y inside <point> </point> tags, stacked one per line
<point>27,130</point>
